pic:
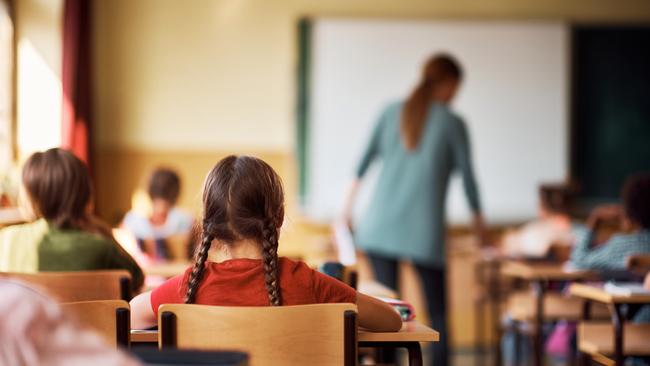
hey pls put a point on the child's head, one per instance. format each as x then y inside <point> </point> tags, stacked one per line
<point>636,200</point>
<point>59,188</point>
<point>164,188</point>
<point>554,199</point>
<point>243,199</point>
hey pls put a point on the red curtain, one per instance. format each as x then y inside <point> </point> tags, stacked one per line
<point>76,78</point>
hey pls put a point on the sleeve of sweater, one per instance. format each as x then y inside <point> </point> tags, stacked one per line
<point>372,148</point>
<point>585,256</point>
<point>462,157</point>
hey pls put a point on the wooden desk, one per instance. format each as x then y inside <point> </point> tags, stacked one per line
<point>544,272</point>
<point>167,269</point>
<point>487,274</point>
<point>622,308</point>
<point>409,337</point>
<point>596,292</point>
<point>374,288</point>
<point>539,275</point>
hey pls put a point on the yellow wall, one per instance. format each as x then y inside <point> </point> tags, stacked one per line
<point>219,74</point>
<point>38,33</point>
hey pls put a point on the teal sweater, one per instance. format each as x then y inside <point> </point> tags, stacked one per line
<point>406,215</point>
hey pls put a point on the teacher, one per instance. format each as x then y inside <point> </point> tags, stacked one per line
<point>420,142</point>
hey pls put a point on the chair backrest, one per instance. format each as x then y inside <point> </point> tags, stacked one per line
<point>169,356</point>
<point>320,334</point>
<point>639,263</point>
<point>110,318</point>
<point>79,286</point>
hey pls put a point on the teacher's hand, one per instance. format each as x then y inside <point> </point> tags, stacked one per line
<point>348,207</point>
<point>346,219</point>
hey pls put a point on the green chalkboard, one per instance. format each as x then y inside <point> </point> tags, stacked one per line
<point>611,108</point>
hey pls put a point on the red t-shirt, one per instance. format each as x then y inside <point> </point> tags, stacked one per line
<point>240,282</point>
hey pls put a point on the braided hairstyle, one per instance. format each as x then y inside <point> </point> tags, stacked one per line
<point>242,199</point>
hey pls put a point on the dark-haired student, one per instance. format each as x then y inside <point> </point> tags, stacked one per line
<point>243,211</point>
<point>66,236</point>
<point>634,220</point>
<point>165,222</point>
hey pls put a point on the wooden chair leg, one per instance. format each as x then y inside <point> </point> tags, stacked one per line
<point>125,289</point>
<point>123,326</point>
<point>168,330</point>
<point>480,333</point>
<point>350,338</point>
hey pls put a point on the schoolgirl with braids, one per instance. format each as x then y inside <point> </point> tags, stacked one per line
<point>237,263</point>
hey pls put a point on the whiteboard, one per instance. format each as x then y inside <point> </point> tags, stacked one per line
<point>514,99</point>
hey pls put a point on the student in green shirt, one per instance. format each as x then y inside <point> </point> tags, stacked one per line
<point>66,235</point>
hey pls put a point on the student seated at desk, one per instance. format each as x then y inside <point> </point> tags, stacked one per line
<point>634,238</point>
<point>553,227</point>
<point>243,211</point>
<point>66,236</point>
<point>165,223</point>
<point>633,218</point>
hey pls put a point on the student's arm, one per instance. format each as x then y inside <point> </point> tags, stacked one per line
<point>376,315</point>
<point>142,315</point>
<point>142,306</point>
<point>585,256</point>
<point>462,157</point>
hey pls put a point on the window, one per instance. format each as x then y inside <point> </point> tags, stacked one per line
<point>6,87</point>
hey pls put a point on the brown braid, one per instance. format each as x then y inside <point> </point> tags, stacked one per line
<point>270,259</point>
<point>199,265</point>
<point>243,199</point>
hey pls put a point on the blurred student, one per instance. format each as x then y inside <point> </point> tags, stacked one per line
<point>66,236</point>
<point>552,227</point>
<point>243,211</point>
<point>35,331</point>
<point>633,219</point>
<point>165,224</point>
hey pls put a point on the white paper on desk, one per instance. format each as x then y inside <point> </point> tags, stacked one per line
<point>344,242</point>
<point>625,288</point>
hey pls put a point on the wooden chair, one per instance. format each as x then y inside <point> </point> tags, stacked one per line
<point>596,339</point>
<point>79,286</point>
<point>110,318</point>
<point>321,334</point>
<point>521,307</point>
